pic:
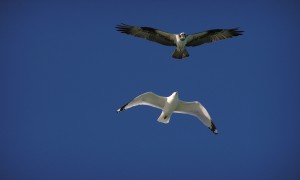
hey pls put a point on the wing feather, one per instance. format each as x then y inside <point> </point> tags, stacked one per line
<point>148,33</point>
<point>211,36</point>
<point>196,109</point>
<point>148,98</point>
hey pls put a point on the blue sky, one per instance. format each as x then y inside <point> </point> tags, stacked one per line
<point>65,70</point>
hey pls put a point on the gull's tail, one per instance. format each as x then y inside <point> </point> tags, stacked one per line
<point>180,54</point>
<point>163,118</point>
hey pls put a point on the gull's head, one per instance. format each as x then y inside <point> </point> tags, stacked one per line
<point>182,36</point>
<point>175,93</point>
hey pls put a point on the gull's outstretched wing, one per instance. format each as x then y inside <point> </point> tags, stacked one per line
<point>149,33</point>
<point>196,109</point>
<point>211,36</point>
<point>148,98</point>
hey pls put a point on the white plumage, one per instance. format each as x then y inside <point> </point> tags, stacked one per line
<point>170,105</point>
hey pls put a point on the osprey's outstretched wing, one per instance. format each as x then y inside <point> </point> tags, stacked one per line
<point>149,33</point>
<point>211,36</point>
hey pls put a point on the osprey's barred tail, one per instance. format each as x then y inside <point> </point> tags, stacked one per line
<point>180,54</point>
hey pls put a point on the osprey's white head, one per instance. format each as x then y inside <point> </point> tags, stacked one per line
<point>182,36</point>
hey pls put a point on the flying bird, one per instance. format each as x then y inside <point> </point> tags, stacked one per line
<point>181,40</point>
<point>170,105</point>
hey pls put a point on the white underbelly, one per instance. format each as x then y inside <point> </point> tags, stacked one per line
<point>181,45</point>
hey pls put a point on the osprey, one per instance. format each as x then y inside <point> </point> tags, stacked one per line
<point>182,40</point>
<point>171,104</point>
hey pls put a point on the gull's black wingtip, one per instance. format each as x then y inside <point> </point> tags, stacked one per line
<point>122,108</point>
<point>213,128</point>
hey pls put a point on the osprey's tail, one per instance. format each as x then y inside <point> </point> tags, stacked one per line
<point>180,54</point>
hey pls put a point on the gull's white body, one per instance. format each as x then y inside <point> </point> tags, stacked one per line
<point>170,105</point>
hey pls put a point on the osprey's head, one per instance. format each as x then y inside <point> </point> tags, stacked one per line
<point>182,36</point>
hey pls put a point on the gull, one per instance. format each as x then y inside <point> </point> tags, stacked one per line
<point>181,40</point>
<point>170,105</point>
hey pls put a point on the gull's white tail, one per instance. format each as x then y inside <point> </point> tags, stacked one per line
<point>163,118</point>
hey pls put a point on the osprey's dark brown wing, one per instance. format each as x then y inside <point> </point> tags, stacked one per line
<point>211,36</point>
<point>149,33</point>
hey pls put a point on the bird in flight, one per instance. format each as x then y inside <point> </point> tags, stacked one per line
<point>182,40</point>
<point>170,105</point>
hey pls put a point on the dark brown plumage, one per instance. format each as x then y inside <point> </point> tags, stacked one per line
<point>181,41</point>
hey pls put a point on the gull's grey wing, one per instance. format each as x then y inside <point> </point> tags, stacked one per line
<point>196,109</point>
<point>149,33</point>
<point>211,36</point>
<point>148,98</point>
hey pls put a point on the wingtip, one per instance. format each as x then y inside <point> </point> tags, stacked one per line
<point>122,108</point>
<point>213,128</point>
<point>122,25</point>
<point>215,132</point>
<point>123,28</point>
<point>237,31</point>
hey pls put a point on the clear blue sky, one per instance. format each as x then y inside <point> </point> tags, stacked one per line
<point>64,71</point>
